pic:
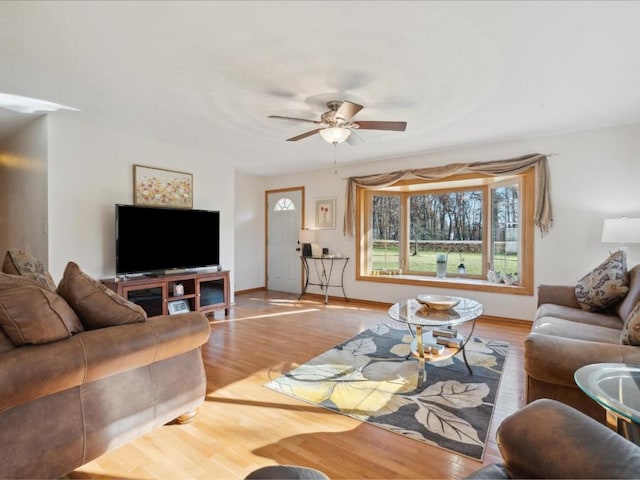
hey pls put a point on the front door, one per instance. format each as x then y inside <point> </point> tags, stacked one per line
<point>285,211</point>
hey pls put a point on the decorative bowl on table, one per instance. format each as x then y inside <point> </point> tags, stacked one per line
<point>438,302</point>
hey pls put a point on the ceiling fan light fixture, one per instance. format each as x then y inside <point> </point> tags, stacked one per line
<point>335,134</point>
<point>336,124</point>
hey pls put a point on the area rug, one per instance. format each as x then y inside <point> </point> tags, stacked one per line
<point>373,377</point>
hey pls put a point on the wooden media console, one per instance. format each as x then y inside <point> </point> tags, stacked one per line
<point>202,292</point>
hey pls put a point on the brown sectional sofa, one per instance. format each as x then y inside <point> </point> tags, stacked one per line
<point>82,372</point>
<point>564,338</point>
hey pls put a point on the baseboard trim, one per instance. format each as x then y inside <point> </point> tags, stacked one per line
<point>249,290</point>
<point>509,320</point>
<point>373,303</point>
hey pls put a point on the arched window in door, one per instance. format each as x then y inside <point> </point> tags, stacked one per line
<point>284,204</point>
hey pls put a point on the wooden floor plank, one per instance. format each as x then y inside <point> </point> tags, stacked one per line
<point>242,425</point>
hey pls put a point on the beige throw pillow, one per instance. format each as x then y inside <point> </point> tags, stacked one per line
<point>5,342</point>
<point>96,305</point>
<point>604,285</point>
<point>34,315</point>
<point>630,334</point>
<point>8,281</point>
<point>19,262</point>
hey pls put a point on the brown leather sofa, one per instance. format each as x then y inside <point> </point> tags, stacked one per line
<point>564,338</point>
<point>66,401</point>
<point>548,439</point>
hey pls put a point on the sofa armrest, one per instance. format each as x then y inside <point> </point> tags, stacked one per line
<point>548,439</point>
<point>34,371</point>
<point>138,344</point>
<point>558,294</point>
<point>555,359</point>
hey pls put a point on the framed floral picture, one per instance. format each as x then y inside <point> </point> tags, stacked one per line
<point>158,187</point>
<point>326,213</point>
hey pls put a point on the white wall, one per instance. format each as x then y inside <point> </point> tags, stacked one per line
<point>595,175</point>
<point>91,169</point>
<point>249,232</point>
<point>23,190</point>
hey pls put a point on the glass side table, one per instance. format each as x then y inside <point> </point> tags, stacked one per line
<point>615,386</point>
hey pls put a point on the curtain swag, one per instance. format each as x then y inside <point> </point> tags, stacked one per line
<point>543,214</point>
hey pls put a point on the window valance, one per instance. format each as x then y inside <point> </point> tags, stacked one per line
<point>543,213</point>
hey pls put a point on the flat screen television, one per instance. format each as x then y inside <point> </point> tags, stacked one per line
<point>155,240</point>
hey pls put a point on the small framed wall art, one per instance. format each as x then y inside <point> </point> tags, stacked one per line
<point>326,213</point>
<point>158,187</point>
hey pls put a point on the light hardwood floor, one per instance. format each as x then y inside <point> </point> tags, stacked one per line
<point>243,425</point>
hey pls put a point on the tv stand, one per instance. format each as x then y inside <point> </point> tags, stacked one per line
<point>204,292</point>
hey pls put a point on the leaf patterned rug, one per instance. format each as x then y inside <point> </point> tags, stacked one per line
<point>373,377</point>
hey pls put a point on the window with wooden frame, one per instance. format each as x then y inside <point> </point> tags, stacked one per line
<point>477,228</point>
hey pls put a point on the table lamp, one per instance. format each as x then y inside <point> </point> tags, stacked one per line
<point>306,237</point>
<point>621,230</point>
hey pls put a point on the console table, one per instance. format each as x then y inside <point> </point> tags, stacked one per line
<point>323,266</point>
<point>202,292</point>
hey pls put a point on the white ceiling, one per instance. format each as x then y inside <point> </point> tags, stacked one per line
<point>207,74</point>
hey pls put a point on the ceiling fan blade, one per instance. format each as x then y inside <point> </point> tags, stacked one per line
<point>354,138</point>
<point>303,135</point>
<point>347,110</point>
<point>396,126</point>
<point>296,119</point>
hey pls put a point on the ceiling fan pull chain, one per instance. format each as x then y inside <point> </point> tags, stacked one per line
<point>335,158</point>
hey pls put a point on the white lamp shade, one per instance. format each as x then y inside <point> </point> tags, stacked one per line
<point>621,230</point>
<point>335,134</point>
<point>307,236</point>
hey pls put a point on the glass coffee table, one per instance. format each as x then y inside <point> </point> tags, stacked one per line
<point>433,324</point>
<point>616,387</point>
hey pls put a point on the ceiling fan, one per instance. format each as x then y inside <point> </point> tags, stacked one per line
<point>337,125</point>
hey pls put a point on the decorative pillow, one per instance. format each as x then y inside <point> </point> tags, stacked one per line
<point>19,262</point>
<point>95,304</point>
<point>12,281</point>
<point>630,334</point>
<point>605,284</point>
<point>33,315</point>
<point>5,342</point>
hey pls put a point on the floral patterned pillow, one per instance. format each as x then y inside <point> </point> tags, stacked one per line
<point>19,262</point>
<point>630,334</point>
<point>604,285</point>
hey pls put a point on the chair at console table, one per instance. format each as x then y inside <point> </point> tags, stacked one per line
<point>323,267</point>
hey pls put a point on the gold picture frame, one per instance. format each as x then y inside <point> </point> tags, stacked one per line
<point>158,187</point>
<point>325,213</point>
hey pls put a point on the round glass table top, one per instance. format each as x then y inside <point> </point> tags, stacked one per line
<point>412,312</point>
<point>615,386</point>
